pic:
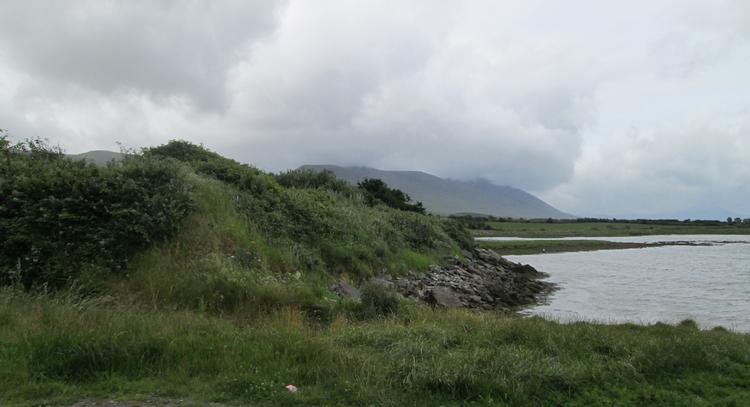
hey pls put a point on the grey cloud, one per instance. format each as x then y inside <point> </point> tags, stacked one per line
<point>159,48</point>
<point>405,97</point>
<point>703,168</point>
<point>533,94</point>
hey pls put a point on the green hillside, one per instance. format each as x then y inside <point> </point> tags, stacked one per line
<point>190,206</point>
<point>179,277</point>
<point>445,196</point>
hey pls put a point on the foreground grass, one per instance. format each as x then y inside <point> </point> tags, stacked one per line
<point>517,247</point>
<point>594,229</point>
<point>59,351</point>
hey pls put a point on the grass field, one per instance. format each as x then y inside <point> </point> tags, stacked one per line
<point>58,351</point>
<point>511,247</point>
<point>594,229</point>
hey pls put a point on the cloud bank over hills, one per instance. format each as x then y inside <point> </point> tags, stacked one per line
<point>636,109</point>
<point>447,197</point>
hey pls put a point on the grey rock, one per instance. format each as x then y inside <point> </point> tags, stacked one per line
<point>385,281</point>
<point>486,281</point>
<point>346,290</point>
<point>444,297</point>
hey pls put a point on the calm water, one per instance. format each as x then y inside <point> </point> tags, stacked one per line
<point>710,284</point>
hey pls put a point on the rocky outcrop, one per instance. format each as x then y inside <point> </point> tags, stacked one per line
<point>481,279</point>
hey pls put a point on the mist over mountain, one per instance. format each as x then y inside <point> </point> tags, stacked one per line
<point>446,196</point>
<point>98,157</point>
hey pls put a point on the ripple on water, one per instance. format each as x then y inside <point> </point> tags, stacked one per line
<point>710,284</point>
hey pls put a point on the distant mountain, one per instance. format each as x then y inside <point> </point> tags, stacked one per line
<point>446,196</point>
<point>98,157</point>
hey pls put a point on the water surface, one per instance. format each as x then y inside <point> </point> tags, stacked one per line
<point>710,284</point>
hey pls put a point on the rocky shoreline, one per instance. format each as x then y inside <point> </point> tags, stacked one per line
<point>480,280</point>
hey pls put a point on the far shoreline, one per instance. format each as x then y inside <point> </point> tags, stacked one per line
<point>528,247</point>
<point>550,228</point>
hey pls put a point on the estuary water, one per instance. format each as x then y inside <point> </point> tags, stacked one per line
<point>709,284</point>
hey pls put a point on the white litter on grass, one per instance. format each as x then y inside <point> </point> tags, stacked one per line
<point>292,388</point>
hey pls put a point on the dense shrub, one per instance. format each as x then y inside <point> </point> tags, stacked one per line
<point>59,216</point>
<point>459,233</point>
<point>419,231</point>
<point>315,180</point>
<point>376,191</point>
<point>205,162</point>
<point>379,301</point>
<point>475,222</point>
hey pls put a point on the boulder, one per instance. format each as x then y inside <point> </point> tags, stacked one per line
<point>384,281</point>
<point>346,290</point>
<point>444,297</point>
<point>488,255</point>
<point>524,269</point>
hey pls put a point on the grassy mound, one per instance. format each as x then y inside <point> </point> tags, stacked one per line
<point>179,225</point>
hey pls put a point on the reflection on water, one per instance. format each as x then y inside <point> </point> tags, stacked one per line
<point>710,284</point>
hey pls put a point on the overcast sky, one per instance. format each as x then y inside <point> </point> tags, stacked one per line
<point>603,108</point>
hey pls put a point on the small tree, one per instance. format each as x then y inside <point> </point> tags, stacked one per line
<point>378,191</point>
<point>5,147</point>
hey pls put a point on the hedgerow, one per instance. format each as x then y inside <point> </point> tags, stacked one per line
<point>59,216</point>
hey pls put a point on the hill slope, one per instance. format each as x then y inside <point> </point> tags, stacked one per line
<point>446,196</point>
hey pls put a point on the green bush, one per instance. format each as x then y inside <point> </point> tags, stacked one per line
<point>458,232</point>
<point>310,179</point>
<point>419,231</point>
<point>379,301</point>
<point>205,162</point>
<point>376,191</point>
<point>58,216</point>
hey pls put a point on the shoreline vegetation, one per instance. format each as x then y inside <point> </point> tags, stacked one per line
<point>487,227</point>
<point>522,247</point>
<point>541,228</point>
<point>178,274</point>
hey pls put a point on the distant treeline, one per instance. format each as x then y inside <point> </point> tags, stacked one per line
<point>479,222</point>
<point>696,222</point>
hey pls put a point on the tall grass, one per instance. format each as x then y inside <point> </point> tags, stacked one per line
<point>222,261</point>
<point>62,350</point>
